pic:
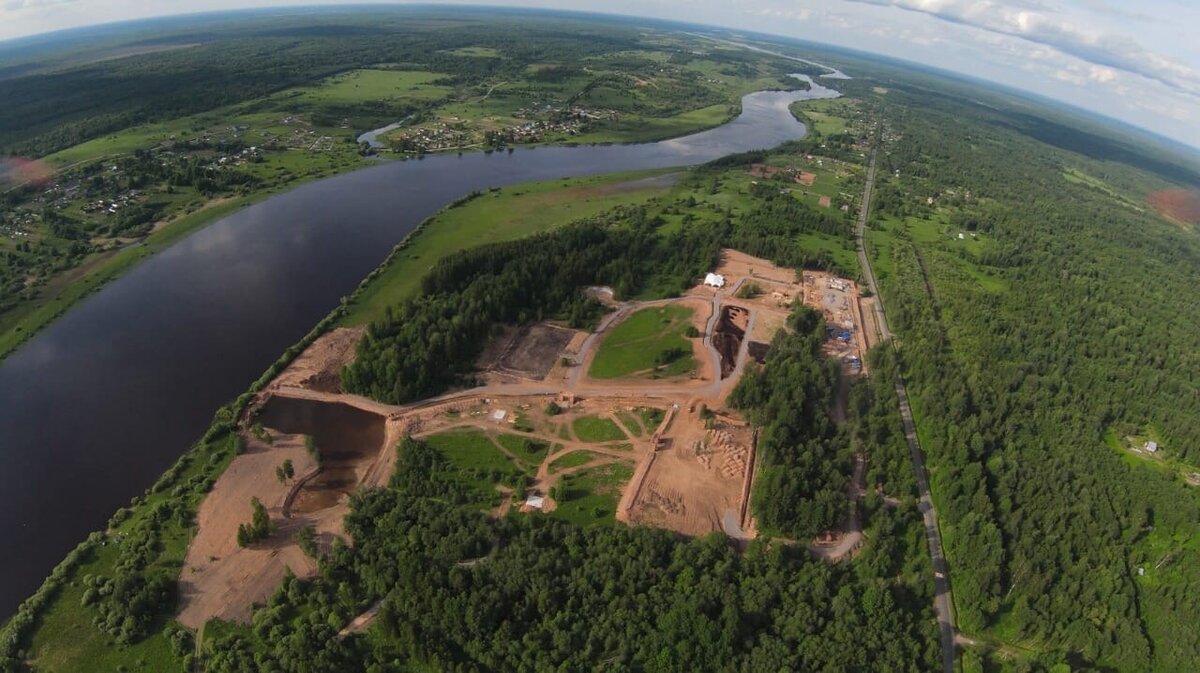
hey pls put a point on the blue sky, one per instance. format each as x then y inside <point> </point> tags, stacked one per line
<point>1136,60</point>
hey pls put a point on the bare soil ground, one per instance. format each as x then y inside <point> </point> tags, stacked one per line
<point>1180,205</point>
<point>528,352</point>
<point>220,579</point>
<point>696,478</point>
<point>319,366</point>
<point>735,265</point>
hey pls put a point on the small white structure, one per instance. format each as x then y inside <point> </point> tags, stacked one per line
<point>714,280</point>
<point>1152,446</point>
<point>498,415</point>
<point>535,502</point>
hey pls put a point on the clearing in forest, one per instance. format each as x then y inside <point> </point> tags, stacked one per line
<point>1179,205</point>
<point>651,341</point>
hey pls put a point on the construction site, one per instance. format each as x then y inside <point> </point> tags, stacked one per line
<point>659,451</point>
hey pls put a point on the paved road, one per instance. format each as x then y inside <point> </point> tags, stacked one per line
<point>943,603</point>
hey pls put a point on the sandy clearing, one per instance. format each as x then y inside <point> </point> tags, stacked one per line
<point>220,579</point>
<point>319,366</point>
<point>1178,205</point>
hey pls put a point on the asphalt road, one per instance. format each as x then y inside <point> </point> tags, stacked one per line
<point>943,603</point>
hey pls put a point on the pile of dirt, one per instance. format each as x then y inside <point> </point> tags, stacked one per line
<point>1180,205</point>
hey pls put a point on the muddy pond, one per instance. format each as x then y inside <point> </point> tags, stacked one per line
<point>346,439</point>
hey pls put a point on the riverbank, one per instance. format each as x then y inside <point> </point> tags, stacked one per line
<point>214,308</point>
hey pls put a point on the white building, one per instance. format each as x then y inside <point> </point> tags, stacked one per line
<point>1152,446</point>
<point>714,280</point>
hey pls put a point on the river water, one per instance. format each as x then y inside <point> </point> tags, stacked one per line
<point>95,407</point>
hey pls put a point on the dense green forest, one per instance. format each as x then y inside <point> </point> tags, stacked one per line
<point>549,595</point>
<point>1040,313</point>
<point>431,342</point>
<point>1045,320</point>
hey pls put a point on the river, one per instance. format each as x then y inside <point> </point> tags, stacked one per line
<point>95,407</point>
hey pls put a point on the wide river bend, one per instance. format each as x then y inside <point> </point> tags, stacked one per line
<point>95,407</point>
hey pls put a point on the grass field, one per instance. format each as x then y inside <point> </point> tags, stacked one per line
<point>574,459</point>
<point>597,429</point>
<point>531,452</point>
<point>66,640</point>
<point>631,422</point>
<point>651,417</point>
<point>590,496</point>
<point>480,463</point>
<point>478,52</point>
<point>361,86</point>
<point>503,215</point>
<point>640,128</point>
<point>638,344</point>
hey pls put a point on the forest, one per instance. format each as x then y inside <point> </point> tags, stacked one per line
<point>428,343</point>
<point>1043,313</point>
<point>542,594</point>
<point>1062,316</point>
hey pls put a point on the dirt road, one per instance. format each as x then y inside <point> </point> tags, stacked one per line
<point>943,602</point>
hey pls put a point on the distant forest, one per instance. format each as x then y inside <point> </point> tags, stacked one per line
<point>1031,354</point>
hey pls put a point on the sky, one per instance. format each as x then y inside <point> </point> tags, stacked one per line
<point>1135,60</point>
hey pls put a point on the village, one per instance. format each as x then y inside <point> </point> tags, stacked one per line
<point>536,123</point>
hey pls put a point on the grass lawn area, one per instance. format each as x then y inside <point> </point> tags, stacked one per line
<point>631,422</point>
<point>640,343</point>
<point>651,417</point>
<point>531,451</point>
<point>478,52</point>
<point>478,459</point>
<point>842,250</point>
<point>590,496</point>
<point>66,640</point>
<point>574,459</point>
<point>638,129</point>
<point>597,429</point>
<point>503,215</point>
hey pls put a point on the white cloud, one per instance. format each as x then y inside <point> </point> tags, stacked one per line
<point>1038,23</point>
